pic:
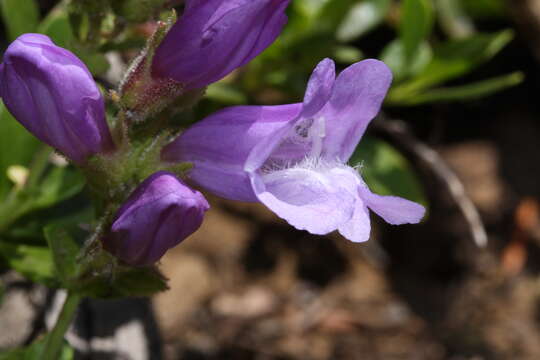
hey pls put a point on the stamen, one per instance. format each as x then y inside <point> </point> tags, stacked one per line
<point>317,132</point>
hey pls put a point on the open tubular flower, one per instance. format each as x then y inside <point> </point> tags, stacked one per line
<point>214,37</point>
<point>292,158</point>
<point>52,94</point>
<point>157,216</point>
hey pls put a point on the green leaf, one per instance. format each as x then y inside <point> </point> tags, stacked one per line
<point>394,56</point>
<point>386,171</point>
<point>137,10</point>
<point>464,92</point>
<point>347,54</point>
<point>34,351</point>
<point>20,16</point>
<point>65,250</point>
<point>362,18</point>
<point>60,184</point>
<point>316,16</point>
<point>225,94</point>
<point>58,27</point>
<point>139,282</point>
<point>90,19</point>
<point>456,58</point>
<point>486,8</point>
<point>415,25</point>
<point>33,262</point>
<point>332,13</point>
<point>120,281</point>
<point>92,271</point>
<point>29,229</point>
<point>17,147</point>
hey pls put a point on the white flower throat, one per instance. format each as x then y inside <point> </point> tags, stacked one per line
<point>311,130</point>
<point>307,138</point>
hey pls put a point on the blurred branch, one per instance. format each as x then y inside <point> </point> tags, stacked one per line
<point>399,132</point>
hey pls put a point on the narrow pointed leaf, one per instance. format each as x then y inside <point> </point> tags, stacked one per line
<point>20,16</point>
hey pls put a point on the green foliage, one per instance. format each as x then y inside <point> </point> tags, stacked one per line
<point>34,352</point>
<point>87,269</point>
<point>33,262</point>
<point>56,185</point>
<point>137,10</point>
<point>466,92</point>
<point>65,251</point>
<point>393,55</point>
<point>361,18</point>
<point>17,147</point>
<point>19,16</point>
<point>226,94</point>
<point>41,186</point>
<point>57,26</point>
<point>485,8</point>
<point>451,60</point>
<point>415,26</point>
<point>420,60</point>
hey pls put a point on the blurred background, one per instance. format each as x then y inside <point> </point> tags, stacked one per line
<point>459,132</point>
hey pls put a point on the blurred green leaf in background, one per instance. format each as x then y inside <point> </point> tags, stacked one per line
<point>20,16</point>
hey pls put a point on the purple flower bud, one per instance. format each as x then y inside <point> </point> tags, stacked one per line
<point>52,94</point>
<point>293,158</point>
<point>157,216</point>
<point>214,37</point>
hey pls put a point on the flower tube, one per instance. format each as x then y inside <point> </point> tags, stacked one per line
<point>214,37</point>
<point>292,158</point>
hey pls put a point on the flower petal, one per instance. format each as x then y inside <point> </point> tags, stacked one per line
<point>356,99</point>
<point>222,144</point>
<point>214,37</point>
<point>394,210</point>
<point>52,93</point>
<point>358,228</point>
<point>158,215</point>
<point>307,199</point>
<point>319,87</point>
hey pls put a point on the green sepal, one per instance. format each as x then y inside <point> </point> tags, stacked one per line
<point>112,177</point>
<point>86,268</point>
<point>141,95</point>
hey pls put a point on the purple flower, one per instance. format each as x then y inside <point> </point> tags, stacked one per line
<point>214,37</point>
<point>292,158</point>
<point>52,94</point>
<point>157,216</point>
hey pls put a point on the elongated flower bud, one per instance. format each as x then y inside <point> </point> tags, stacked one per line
<point>214,37</point>
<point>157,216</point>
<point>52,94</point>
